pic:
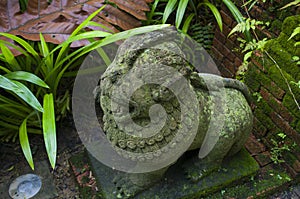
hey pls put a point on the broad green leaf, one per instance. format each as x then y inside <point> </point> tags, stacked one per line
<point>25,143</point>
<point>49,128</point>
<point>86,35</point>
<point>168,10</point>
<point>9,58</point>
<point>187,23</point>
<point>26,76</point>
<point>23,43</point>
<point>215,12</point>
<point>28,96</point>
<point>180,12</point>
<point>9,85</point>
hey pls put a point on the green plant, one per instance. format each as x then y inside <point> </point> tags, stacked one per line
<point>251,3</point>
<point>181,10</point>
<point>293,3</point>
<point>186,11</point>
<point>43,70</point>
<point>279,148</point>
<point>256,44</point>
<point>296,31</point>
<point>258,96</point>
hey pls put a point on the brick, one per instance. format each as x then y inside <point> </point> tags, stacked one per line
<point>237,62</point>
<point>279,93</point>
<point>263,158</point>
<point>231,56</point>
<point>226,51</point>
<point>216,54</point>
<point>257,11</point>
<point>225,72</point>
<point>271,86</point>
<point>259,128</point>
<point>296,166</point>
<point>291,171</point>
<point>284,126</point>
<point>263,118</point>
<point>276,105</point>
<point>226,30</point>
<point>218,45</point>
<point>226,18</point>
<point>231,45</point>
<point>220,36</point>
<point>230,66</point>
<point>253,146</point>
<point>259,65</point>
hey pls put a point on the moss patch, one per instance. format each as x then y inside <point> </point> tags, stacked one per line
<point>264,183</point>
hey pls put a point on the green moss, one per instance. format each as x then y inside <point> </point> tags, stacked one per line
<point>289,103</point>
<point>264,119</point>
<point>256,75</point>
<point>283,58</point>
<point>294,123</point>
<point>276,25</point>
<point>264,106</point>
<point>289,158</point>
<point>290,24</point>
<point>288,45</point>
<point>251,81</point>
<point>258,187</point>
<point>276,76</point>
<point>260,128</point>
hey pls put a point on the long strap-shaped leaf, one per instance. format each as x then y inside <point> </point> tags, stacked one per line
<point>22,91</point>
<point>215,12</point>
<point>26,76</point>
<point>180,12</point>
<point>168,10</point>
<point>25,143</point>
<point>49,128</point>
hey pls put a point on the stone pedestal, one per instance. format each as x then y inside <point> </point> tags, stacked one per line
<point>175,185</point>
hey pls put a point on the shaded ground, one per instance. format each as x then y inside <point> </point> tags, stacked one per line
<point>69,144</point>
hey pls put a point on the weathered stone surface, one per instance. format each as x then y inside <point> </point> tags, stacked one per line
<point>175,185</point>
<point>201,111</point>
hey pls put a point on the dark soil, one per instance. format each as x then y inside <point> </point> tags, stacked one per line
<point>68,144</point>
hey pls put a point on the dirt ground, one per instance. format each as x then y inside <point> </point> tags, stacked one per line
<point>68,144</point>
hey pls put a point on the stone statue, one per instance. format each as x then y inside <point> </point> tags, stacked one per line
<point>223,110</point>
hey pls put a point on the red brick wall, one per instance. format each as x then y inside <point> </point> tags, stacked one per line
<point>271,116</point>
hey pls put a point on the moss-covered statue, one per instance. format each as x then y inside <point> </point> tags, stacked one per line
<point>149,95</point>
